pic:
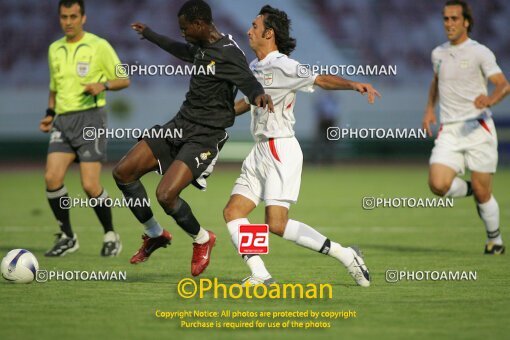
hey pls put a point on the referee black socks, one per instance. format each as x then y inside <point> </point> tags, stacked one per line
<point>60,204</point>
<point>104,213</point>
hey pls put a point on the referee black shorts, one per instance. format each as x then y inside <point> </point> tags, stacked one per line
<point>196,145</point>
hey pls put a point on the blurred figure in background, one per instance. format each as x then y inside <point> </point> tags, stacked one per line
<point>467,136</point>
<point>326,115</point>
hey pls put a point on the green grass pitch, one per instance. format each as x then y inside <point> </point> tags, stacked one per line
<point>330,200</point>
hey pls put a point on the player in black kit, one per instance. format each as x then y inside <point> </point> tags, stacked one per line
<point>202,118</point>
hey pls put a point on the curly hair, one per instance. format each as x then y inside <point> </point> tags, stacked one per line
<point>279,22</point>
<point>195,10</point>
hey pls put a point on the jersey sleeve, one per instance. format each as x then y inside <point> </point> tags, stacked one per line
<point>295,76</point>
<point>234,68</point>
<point>435,61</point>
<point>53,84</point>
<point>185,52</point>
<point>109,60</point>
<point>488,63</point>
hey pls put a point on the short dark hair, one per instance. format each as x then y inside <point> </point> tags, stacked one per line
<point>195,10</point>
<point>466,11</point>
<point>279,22</point>
<point>69,3</point>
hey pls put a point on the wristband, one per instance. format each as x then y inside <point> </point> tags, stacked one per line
<point>50,112</point>
<point>106,86</point>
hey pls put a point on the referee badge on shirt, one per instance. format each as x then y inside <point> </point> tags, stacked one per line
<point>82,68</point>
<point>268,79</point>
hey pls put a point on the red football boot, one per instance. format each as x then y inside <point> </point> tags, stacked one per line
<point>149,245</point>
<point>202,255</point>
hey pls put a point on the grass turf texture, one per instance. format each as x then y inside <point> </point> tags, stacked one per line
<point>330,200</point>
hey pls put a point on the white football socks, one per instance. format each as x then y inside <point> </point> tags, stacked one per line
<point>202,236</point>
<point>152,228</point>
<point>307,237</point>
<point>459,188</point>
<point>489,213</point>
<point>254,262</point>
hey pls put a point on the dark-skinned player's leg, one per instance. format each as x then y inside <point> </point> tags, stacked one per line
<point>127,173</point>
<point>178,177</point>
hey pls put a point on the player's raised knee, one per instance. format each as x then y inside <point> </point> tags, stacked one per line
<point>439,187</point>
<point>167,198</point>
<point>230,213</point>
<point>120,174</point>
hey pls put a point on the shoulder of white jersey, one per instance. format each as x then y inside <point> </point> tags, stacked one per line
<point>441,47</point>
<point>285,63</point>
<point>479,47</point>
<point>231,43</point>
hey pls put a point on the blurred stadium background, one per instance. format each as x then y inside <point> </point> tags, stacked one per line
<point>394,32</point>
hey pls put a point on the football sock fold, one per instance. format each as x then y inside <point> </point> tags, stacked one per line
<point>459,188</point>
<point>489,213</point>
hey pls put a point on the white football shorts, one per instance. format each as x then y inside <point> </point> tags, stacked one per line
<point>471,143</point>
<point>272,172</point>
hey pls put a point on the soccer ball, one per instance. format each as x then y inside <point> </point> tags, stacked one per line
<point>19,266</point>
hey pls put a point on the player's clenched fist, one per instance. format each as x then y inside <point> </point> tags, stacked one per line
<point>264,100</point>
<point>45,124</point>
<point>138,27</point>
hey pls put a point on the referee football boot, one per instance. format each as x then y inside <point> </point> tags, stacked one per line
<point>149,245</point>
<point>358,269</point>
<point>202,255</point>
<point>63,245</point>
<point>111,244</point>
<point>254,280</point>
<point>494,249</point>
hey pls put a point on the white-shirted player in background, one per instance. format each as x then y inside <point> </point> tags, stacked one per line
<point>272,171</point>
<point>467,135</point>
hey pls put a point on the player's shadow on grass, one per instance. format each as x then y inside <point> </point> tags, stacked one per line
<point>408,249</point>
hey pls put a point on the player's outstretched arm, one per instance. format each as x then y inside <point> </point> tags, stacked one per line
<point>430,116</point>
<point>241,107</point>
<point>178,49</point>
<point>329,82</point>
<point>501,90</point>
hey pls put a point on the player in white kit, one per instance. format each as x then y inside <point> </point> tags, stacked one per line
<point>467,136</point>
<point>272,171</point>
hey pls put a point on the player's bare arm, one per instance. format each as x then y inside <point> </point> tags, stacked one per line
<point>111,85</point>
<point>329,82</point>
<point>430,116</point>
<point>45,123</point>
<point>241,107</point>
<point>501,90</point>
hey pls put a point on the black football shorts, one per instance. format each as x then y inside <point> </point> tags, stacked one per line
<point>196,145</point>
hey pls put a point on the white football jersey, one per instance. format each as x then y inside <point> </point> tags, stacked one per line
<point>278,74</point>
<point>463,71</point>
